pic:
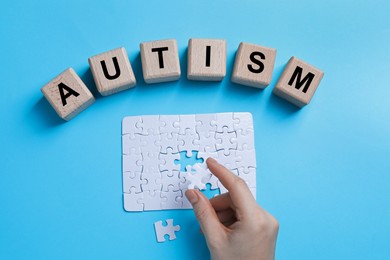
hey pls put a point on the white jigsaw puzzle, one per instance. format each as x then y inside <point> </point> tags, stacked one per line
<point>151,147</point>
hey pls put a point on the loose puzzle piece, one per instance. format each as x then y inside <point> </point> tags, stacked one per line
<point>169,230</point>
<point>195,178</point>
<point>156,149</point>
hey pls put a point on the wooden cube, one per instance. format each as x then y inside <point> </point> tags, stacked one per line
<point>68,94</point>
<point>206,59</point>
<point>298,82</point>
<point>160,61</point>
<point>254,65</point>
<point>112,71</point>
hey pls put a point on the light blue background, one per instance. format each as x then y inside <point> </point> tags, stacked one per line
<point>324,170</point>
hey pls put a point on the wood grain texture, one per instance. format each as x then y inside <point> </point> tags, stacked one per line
<point>298,77</point>
<point>74,104</point>
<point>158,68</point>
<point>253,65</point>
<point>117,66</point>
<point>198,67</point>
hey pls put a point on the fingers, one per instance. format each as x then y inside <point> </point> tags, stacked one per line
<point>221,202</point>
<point>205,213</point>
<point>239,192</point>
<point>226,216</point>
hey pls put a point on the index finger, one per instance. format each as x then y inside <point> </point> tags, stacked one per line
<point>239,192</point>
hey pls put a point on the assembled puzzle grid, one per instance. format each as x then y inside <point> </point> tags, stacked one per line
<point>151,147</point>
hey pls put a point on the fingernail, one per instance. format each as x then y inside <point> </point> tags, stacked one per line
<point>211,160</point>
<point>192,197</point>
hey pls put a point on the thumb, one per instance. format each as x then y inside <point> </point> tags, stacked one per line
<point>205,214</point>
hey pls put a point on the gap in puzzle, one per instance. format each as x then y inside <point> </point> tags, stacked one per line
<point>153,175</point>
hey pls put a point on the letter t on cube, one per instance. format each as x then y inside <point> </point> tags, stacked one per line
<point>160,61</point>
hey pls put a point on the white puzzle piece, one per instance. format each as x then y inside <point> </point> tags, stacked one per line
<point>131,144</point>
<point>130,201</point>
<point>207,142</point>
<point>169,199</point>
<point>184,202</point>
<point>243,122</point>
<point>169,124</point>
<point>133,181</point>
<point>226,141</point>
<point>189,140</point>
<point>151,147</point>
<point>169,179</point>
<point>129,126</point>
<point>205,126</point>
<point>169,159</point>
<point>249,177</point>
<point>169,229</point>
<point>245,141</point>
<point>224,120</point>
<point>169,141</point>
<point>150,125</point>
<point>187,123</point>
<point>246,159</point>
<point>194,178</point>
<point>151,200</point>
<point>153,180</point>
<point>130,162</point>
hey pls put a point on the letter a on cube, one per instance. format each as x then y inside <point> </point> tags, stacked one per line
<point>68,94</point>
